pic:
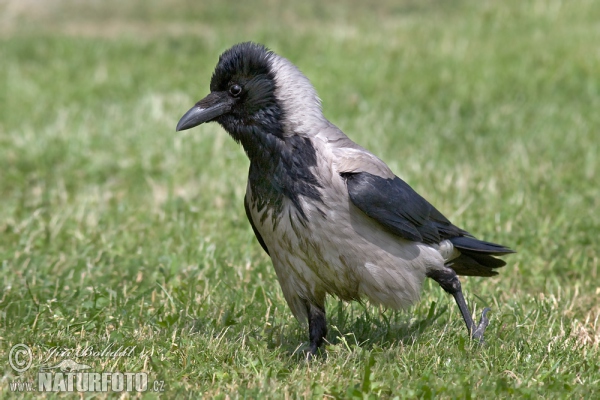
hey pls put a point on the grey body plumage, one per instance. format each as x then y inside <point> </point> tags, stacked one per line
<point>332,216</point>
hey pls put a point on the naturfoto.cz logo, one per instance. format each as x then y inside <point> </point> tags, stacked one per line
<point>69,375</point>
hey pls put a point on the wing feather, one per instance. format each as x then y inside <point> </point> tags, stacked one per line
<point>394,204</point>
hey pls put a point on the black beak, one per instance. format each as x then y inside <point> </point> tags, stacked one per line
<point>212,106</point>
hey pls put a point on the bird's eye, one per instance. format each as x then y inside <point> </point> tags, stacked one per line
<point>235,90</point>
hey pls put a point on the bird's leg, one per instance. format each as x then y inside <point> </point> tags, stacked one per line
<point>317,326</point>
<point>449,281</point>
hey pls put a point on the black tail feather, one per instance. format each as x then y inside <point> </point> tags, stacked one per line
<point>476,257</point>
<point>470,244</point>
<point>486,260</point>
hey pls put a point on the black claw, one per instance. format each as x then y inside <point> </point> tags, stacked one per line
<point>449,281</point>
<point>313,353</point>
<point>483,323</point>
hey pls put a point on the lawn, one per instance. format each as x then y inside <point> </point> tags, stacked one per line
<point>117,231</point>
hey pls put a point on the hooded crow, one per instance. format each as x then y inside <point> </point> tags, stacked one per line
<point>332,216</point>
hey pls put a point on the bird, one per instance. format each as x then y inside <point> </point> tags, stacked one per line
<point>333,217</point>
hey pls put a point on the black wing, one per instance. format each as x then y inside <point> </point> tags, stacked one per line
<point>394,204</point>
<point>401,210</point>
<point>256,233</point>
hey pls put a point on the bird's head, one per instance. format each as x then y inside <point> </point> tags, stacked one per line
<point>253,93</point>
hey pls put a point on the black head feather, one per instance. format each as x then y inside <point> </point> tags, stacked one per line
<point>256,111</point>
<point>242,62</point>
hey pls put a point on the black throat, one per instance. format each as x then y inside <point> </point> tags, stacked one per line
<point>280,165</point>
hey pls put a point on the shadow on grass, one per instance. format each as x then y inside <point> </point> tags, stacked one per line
<point>363,327</point>
<point>380,328</point>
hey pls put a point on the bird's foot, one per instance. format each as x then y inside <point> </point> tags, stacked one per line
<point>483,323</point>
<point>313,353</point>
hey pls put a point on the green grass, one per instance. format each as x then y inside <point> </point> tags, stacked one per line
<point>116,229</point>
